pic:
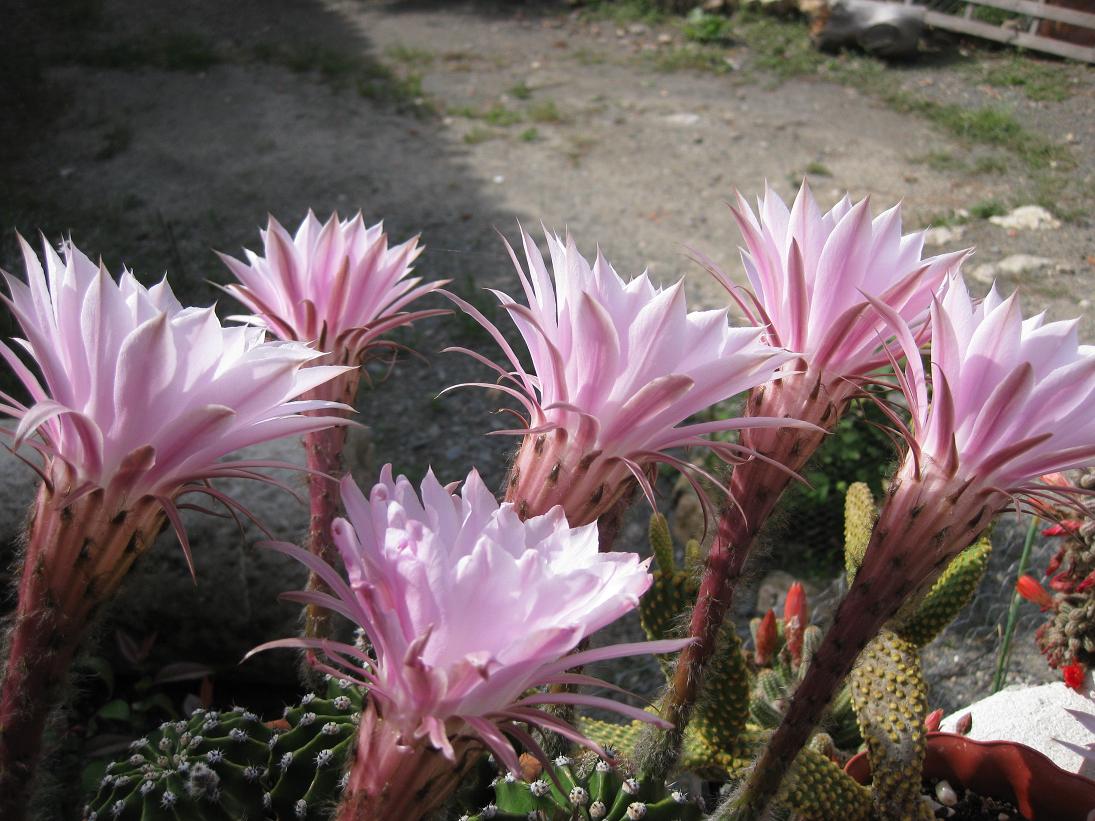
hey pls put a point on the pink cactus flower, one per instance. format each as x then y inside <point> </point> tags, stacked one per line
<point>338,286</point>
<point>466,608</point>
<point>817,279</point>
<point>139,399</point>
<point>335,284</point>
<point>1010,400</point>
<point>139,396</point>
<point>618,366</point>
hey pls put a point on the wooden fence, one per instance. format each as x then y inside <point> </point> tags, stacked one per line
<point>1066,30</point>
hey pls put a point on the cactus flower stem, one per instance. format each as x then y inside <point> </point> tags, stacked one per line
<point>926,523</point>
<point>323,449</point>
<point>390,781</point>
<point>756,486</point>
<point>76,557</point>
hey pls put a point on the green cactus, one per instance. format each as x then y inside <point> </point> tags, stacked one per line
<point>308,759</point>
<point>210,766</point>
<point>860,514</point>
<point>950,593</point>
<point>890,700</point>
<point>589,789</point>
<point>231,766</point>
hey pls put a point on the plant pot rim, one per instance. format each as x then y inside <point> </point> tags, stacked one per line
<point>1006,770</point>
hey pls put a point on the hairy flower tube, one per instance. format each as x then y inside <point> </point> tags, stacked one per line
<point>617,367</point>
<point>338,286</point>
<point>1010,401</point>
<point>466,608</point>
<point>138,400</point>
<point>816,279</point>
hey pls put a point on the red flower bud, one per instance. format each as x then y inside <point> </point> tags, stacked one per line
<point>1029,588</point>
<point>795,619</point>
<point>931,721</point>
<point>1086,583</point>
<point>1074,676</point>
<point>1065,527</point>
<point>1062,583</point>
<point>766,639</point>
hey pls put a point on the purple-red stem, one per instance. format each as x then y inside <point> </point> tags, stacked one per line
<point>392,782</point>
<point>75,559</point>
<point>323,450</point>
<point>924,525</point>
<point>756,486</point>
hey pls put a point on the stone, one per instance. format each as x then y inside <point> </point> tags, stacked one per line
<point>1027,218</point>
<point>1022,263</point>
<point>943,235</point>
<point>1051,718</point>
<point>685,118</point>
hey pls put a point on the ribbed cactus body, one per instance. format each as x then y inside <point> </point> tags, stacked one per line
<point>210,766</point>
<point>308,759</point>
<point>232,766</point>
<point>586,790</point>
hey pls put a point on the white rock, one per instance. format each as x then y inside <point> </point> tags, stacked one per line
<point>1027,218</point>
<point>984,272</point>
<point>1022,263</point>
<point>683,118</point>
<point>1051,718</point>
<point>946,794</point>
<point>943,235</point>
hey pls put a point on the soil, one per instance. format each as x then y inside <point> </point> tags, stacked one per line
<point>971,807</point>
<point>156,132</point>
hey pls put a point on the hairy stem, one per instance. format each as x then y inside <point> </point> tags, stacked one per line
<point>75,559</point>
<point>392,782</point>
<point>323,449</point>
<point>927,521</point>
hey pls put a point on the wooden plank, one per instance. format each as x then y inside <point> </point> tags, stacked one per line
<point>1046,12</point>
<point>1002,35</point>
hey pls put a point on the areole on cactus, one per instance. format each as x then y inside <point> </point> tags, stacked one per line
<point>1008,404</point>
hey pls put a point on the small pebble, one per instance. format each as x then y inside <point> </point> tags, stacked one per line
<point>946,794</point>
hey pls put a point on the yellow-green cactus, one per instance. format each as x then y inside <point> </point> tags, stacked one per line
<point>951,592</point>
<point>889,695</point>
<point>860,513</point>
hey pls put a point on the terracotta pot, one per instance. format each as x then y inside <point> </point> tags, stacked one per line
<point>1005,770</point>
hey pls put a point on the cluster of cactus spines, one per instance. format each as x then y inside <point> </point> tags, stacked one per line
<point>674,588</point>
<point>308,758</point>
<point>230,765</point>
<point>890,699</point>
<point>210,766</point>
<point>587,789</point>
<point>817,789</point>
